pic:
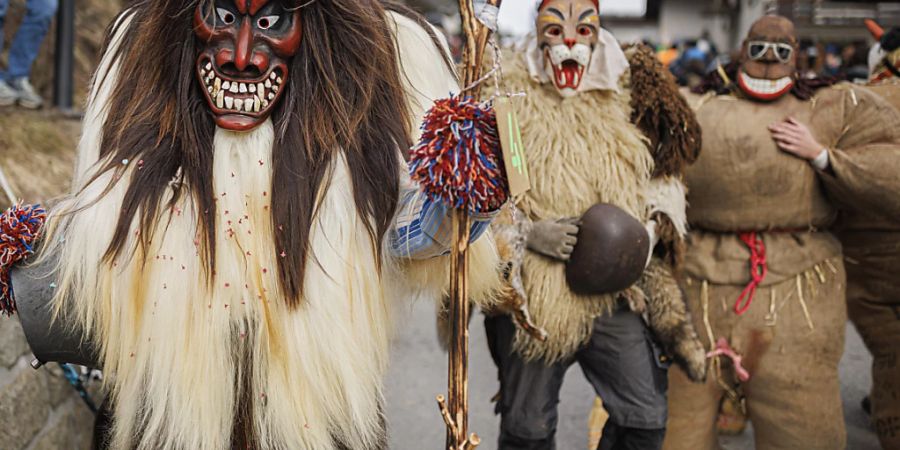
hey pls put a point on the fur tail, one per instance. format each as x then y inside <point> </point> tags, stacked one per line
<point>670,320</point>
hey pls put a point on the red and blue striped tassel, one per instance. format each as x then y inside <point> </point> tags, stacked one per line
<point>20,227</point>
<point>458,160</point>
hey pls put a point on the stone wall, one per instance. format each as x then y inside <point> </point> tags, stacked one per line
<point>40,409</point>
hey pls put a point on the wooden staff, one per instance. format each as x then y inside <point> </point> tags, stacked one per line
<point>455,411</point>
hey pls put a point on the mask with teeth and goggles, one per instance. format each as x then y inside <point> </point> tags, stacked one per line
<point>768,59</point>
<point>567,33</point>
<point>244,65</point>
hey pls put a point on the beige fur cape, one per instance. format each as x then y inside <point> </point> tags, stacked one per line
<point>175,348</point>
<point>581,151</point>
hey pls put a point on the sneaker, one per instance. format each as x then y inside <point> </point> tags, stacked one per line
<point>8,95</point>
<point>28,98</point>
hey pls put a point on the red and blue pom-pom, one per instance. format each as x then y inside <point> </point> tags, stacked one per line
<point>20,227</point>
<point>458,160</point>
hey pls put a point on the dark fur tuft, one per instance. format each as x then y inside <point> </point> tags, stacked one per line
<point>662,113</point>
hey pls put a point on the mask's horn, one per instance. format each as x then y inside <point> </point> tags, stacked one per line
<point>875,29</point>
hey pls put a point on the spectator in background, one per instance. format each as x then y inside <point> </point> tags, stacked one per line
<point>833,61</point>
<point>855,58</point>
<point>14,84</point>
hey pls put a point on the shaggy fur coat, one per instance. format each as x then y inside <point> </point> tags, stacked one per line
<point>179,351</point>
<point>600,147</point>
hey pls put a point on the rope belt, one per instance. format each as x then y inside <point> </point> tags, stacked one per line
<point>759,268</point>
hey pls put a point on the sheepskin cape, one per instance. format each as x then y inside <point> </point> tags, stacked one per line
<point>176,349</point>
<point>581,151</point>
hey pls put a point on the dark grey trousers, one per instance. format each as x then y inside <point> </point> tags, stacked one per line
<point>620,361</point>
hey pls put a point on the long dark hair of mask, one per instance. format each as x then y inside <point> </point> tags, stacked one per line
<point>345,94</point>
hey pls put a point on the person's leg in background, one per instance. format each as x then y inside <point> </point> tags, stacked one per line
<point>623,365</point>
<point>7,95</point>
<point>4,5</point>
<point>873,304</point>
<point>25,46</point>
<point>529,391</point>
<point>879,325</point>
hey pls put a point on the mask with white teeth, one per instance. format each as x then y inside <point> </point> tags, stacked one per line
<point>768,59</point>
<point>244,66</point>
<point>567,33</point>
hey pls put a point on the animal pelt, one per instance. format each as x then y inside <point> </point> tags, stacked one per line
<point>511,229</point>
<point>554,322</point>
<point>662,113</point>
<point>186,354</point>
<point>668,317</point>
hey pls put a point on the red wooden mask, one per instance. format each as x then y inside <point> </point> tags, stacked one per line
<point>244,65</point>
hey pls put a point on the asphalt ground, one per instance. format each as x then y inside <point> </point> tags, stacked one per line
<point>418,373</point>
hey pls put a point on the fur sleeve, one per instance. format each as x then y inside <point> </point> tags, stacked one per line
<point>427,77</point>
<point>662,113</point>
<point>666,199</point>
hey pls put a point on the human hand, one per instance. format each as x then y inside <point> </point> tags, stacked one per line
<point>795,138</point>
<point>554,238</point>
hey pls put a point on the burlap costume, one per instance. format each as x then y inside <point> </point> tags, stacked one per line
<point>871,239</point>
<point>792,336</point>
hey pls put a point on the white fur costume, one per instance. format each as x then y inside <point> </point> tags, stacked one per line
<point>174,346</point>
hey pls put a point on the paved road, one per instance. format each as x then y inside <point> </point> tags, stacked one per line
<point>418,373</point>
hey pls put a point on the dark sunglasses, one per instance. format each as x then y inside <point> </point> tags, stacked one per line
<point>758,49</point>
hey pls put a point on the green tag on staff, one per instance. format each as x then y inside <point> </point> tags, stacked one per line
<point>513,150</point>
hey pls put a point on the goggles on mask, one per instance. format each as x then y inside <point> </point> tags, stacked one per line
<point>756,50</point>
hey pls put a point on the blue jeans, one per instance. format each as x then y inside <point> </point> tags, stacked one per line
<point>31,34</point>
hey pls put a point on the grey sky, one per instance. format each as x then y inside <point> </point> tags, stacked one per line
<point>516,15</point>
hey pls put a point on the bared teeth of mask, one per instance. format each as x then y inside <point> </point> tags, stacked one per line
<point>243,88</point>
<point>229,102</point>
<point>248,105</point>
<point>271,96</point>
<point>268,83</point>
<point>265,103</point>
<point>234,88</point>
<point>226,85</point>
<point>217,85</point>
<point>260,88</point>
<point>239,105</point>
<point>273,76</point>
<point>203,73</point>
<point>209,66</point>
<point>220,99</point>
<point>252,88</point>
<point>279,80</point>
<point>256,104</point>
<point>209,89</point>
